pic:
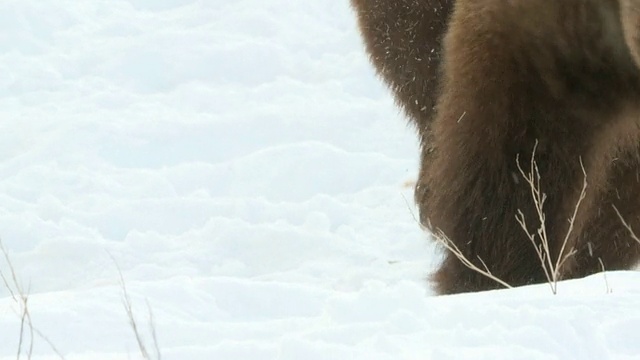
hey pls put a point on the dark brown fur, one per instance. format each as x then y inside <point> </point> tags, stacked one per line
<point>404,41</point>
<point>403,38</point>
<point>562,74</point>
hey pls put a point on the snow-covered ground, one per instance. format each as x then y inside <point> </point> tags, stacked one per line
<point>250,176</point>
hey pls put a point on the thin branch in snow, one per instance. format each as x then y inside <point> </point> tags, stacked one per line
<point>128,306</point>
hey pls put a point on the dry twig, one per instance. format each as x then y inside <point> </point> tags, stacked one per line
<point>132,321</point>
<point>550,267</point>
<point>604,273</point>
<point>442,238</point>
<point>22,298</point>
<point>626,225</point>
<point>447,243</point>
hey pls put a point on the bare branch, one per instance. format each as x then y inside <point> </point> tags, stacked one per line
<point>626,225</point>
<point>126,301</point>
<point>442,238</point>
<point>152,328</point>
<point>542,244</point>
<point>4,278</point>
<point>447,243</point>
<point>583,193</point>
<point>22,299</point>
<point>128,306</point>
<point>604,273</point>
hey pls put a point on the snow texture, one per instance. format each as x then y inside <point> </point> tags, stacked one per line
<point>251,177</point>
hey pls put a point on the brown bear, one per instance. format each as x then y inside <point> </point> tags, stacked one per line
<point>557,81</point>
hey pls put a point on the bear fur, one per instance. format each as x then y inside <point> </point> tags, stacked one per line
<point>510,80</point>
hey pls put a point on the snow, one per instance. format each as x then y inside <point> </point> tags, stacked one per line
<point>251,177</point>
